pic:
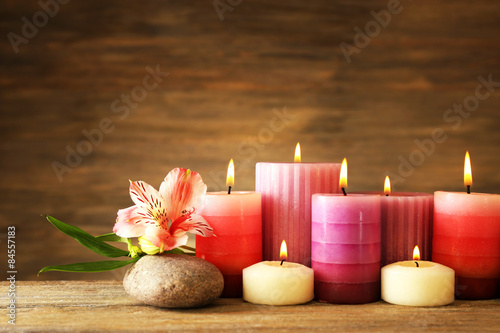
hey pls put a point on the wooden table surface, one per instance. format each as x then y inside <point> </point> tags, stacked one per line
<point>227,80</point>
<point>105,306</point>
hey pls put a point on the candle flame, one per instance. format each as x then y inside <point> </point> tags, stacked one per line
<point>230,174</point>
<point>297,158</point>
<point>416,253</point>
<point>283,251</point>
<point>343,174</point>
<point>467,170</point>
<point>387,185</point>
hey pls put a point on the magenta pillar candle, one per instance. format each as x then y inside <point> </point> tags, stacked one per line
<point>467,239</point>
<point>237,222</point>
<point>346,248</point>
<point>406,221</point>
<point>286,204</point>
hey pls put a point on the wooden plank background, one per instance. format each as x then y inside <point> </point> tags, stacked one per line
<point>228,82</point>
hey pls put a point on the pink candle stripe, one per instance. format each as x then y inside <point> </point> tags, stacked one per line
<point>346,273</point>
<point>341,253</point>
<point>286,204</point>
<point>342,232</point>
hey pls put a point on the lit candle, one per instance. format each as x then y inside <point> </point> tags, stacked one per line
<point>278,282</point>
<point>286,203</point>
<point>346,246</point>
<point>466,237</point>
<point>418,283</point>
<point>406,220</point>
<point>236,218</point>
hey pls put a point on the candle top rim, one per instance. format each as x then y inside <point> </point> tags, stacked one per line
<point>277,264</point>
<point>232,193</point>
<point>286,264</point>
<point>465,193</point>
<point>410,264</point>
<point>349,194</point>
<point>395,194</point>
<point>300,163</point>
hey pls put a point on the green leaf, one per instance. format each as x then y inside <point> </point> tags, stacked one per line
<point>112,237</point>
<point>90,267</point>
<point>87,240</point>
<point>133,251</point>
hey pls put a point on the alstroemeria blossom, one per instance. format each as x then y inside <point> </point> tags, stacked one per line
<point>162,218</point>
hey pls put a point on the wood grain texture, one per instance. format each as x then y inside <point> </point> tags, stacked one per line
<point>225,79</point>
<point>104,306</point>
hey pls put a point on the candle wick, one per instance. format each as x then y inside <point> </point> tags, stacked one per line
<point>282,262</point>
<point>468,189</point>
<point>387,195</point>
<point>416,263</point>
<point>343,191</point>
<point>229,190</point>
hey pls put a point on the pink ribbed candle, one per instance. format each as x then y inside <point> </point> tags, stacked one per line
<point>286,204</point>
<point>346,248</point>
<point>406,221</point>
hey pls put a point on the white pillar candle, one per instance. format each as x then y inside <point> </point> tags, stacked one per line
<point>271,283</point>
<point>429,284</point>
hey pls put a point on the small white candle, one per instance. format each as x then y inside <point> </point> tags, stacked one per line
<point>278,283</point>
<point>418,283</point>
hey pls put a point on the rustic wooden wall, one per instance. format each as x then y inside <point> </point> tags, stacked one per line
<point>246,85</point>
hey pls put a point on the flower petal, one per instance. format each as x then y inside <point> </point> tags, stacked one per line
<point>182,190</point>
<point>150,201</point>
<point>193,223</point>
<point>142,193</point>
<point>129,223</point>
<point>162,239</point>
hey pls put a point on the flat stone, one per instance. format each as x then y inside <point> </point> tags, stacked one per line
<point>173,281</point>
